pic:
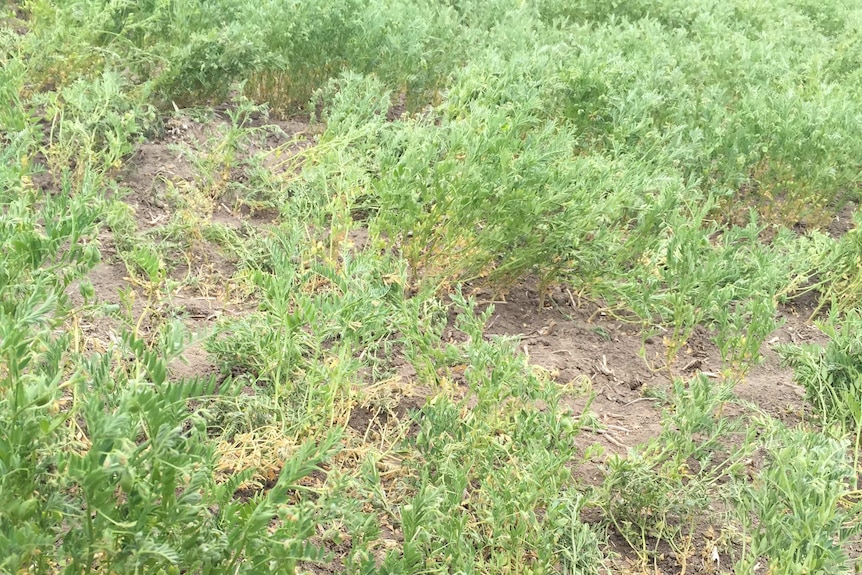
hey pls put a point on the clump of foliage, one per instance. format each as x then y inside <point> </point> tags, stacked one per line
<point>831,374</point>
<point>838,264</point>
<point>801,510</point>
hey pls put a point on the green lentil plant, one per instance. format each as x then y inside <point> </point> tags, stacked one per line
<point>492,492</point>
<point>653,77</point>
<point>474,210</point>
<point>579,546</point>
<point>837,265</point>
<point>46,245</point>
<point>801,509</point>
<point>760,277</point>
<point>275,52</point>
<point>105,465</point>
<point>145,262</point>
<point>314,315</point>
<point>94,123</point>
<point>15,117</point>
<point>270,345</point>
<point>175,52</point>
<point>219,158</point>
<point>311,44</point>
<point>691,272</point>
<point>46,242</point>
<point>831,374</point>
<point>144,486</point>
<point>412,47</point>
<point>124,476</point>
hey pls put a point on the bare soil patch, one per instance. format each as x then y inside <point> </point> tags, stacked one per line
<point>206,268</point>
<point>146,174</point>
<point>842,222</point>
<point>584,344</point>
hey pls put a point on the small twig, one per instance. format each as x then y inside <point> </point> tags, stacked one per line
<point>693,363</point>
<point>610,438</point>
<point>637,400</point>
<point>571,299</point>
<point>603,366</point>
<point>541,332</point>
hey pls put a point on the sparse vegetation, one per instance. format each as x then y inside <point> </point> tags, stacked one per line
<point>259,264</point>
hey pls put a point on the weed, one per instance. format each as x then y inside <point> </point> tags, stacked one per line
<point>662,492</point>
